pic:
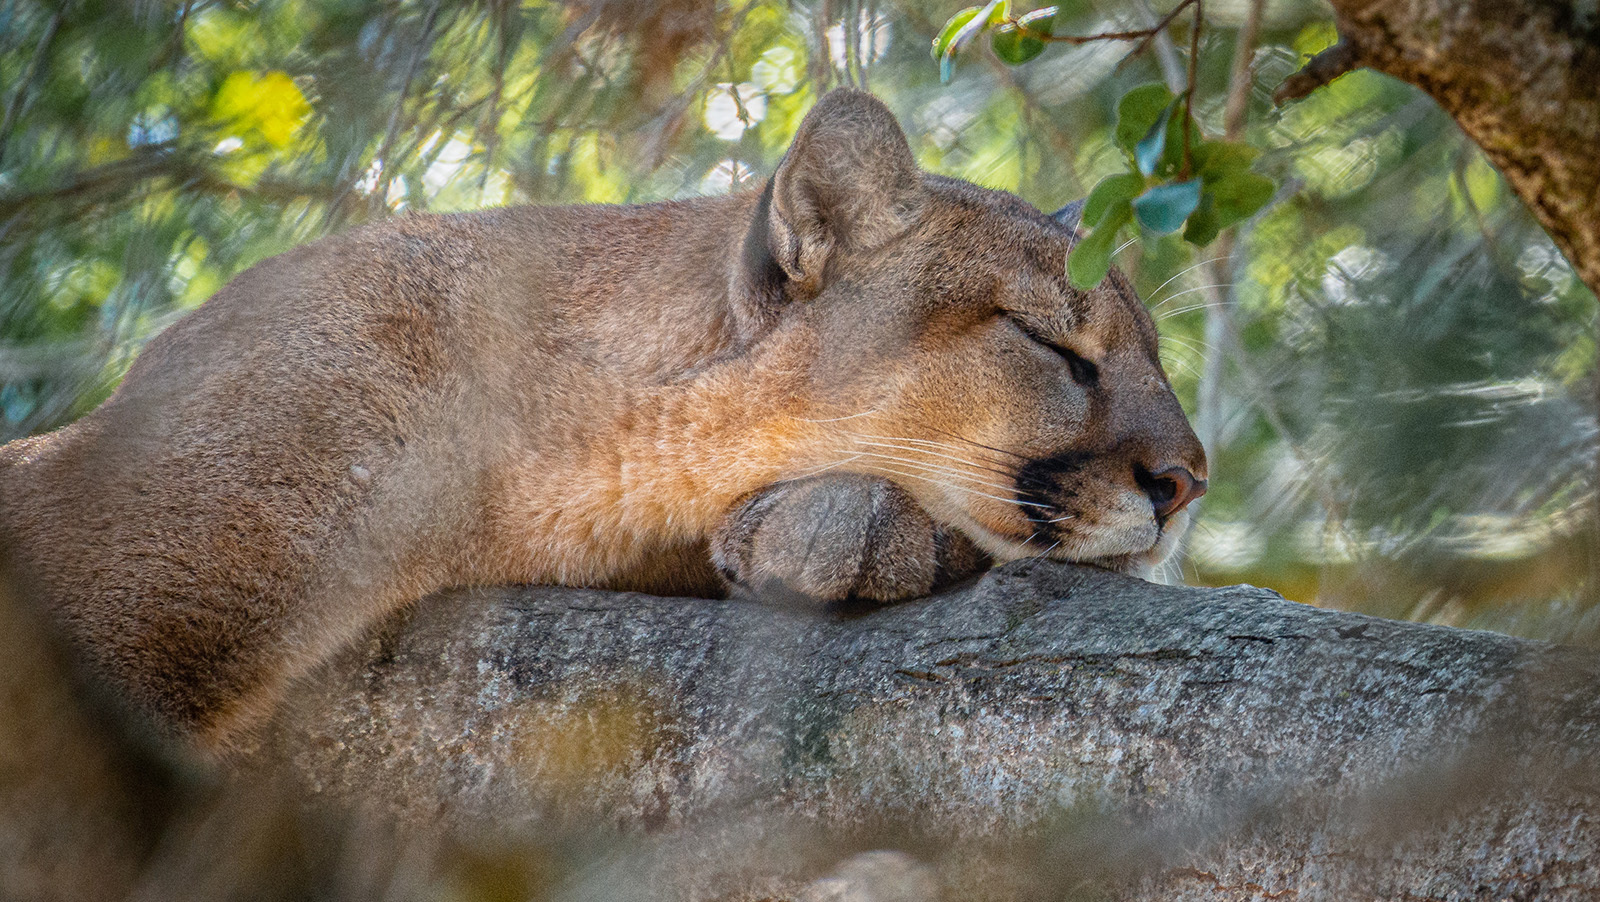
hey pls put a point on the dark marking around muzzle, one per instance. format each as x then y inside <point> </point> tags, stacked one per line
<point>1040,482</point>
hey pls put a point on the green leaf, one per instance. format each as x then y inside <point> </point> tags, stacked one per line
<point>999,12</point>
<point>1229,198</point>
<point>1137,111</point>
<point>941,41</point>
<point>1014,46</point>
<point>1239,195</point>
<point>1217,158</point>
<point>961,29</point>
<point>1148,152</point>
<point>1163,208</point>
<point>1172,160</point>
<point>1204,225</point>
<point>1090,259</point>
<point>1110,192</point>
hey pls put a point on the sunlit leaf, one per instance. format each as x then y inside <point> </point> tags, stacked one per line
<point>220,34</point>
<point>997,11</point>
<point>1042,21</point>
<point>961,29</point>
<point>266,103</point>
<point>947,34</point>
<point>1163,208</point>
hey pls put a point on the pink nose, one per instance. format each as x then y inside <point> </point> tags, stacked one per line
<point>1172,490</point>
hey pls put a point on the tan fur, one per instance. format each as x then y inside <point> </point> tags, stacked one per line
<point>579,396</point>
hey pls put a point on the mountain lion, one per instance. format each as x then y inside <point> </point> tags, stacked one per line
<point>860,381</point>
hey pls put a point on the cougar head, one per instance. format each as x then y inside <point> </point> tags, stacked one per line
<point>948,352</point>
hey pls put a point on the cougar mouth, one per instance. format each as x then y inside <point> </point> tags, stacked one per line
<point>1044,498</point>
<point>1117,533</point>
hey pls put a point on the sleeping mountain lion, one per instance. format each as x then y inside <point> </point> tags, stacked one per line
<point>861,381</point>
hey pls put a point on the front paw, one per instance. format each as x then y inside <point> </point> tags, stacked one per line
<point>838,538</point>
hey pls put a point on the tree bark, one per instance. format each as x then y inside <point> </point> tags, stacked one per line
<point>1522,77</point>
<point>1048,732</point>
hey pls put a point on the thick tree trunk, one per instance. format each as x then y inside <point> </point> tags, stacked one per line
<point>1049,731</point>
<point>1522,77</point>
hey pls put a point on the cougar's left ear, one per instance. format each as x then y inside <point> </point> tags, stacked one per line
<point>1071,215</point>
<point>848,184</point>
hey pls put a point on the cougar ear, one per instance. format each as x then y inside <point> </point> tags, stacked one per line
<point>1071,215</point>
<point>847,184</point>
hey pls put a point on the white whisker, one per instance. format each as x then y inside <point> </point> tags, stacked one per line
<point>1172,360</point>
<point>969,441</point>
<point>1190,308</point>
<point>825,468</point>
<point>1154,305</point>
<point>1182,366</point>
<point>1180,294</point>
<point>853,416</point>
<point>914,450</point>
<point>958,488</point>
<point>946,446</point>
<point>1203,348</point>
<point>934,468</point>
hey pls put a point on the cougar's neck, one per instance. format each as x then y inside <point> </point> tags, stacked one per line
<point>693,448</point>
<point>658,472</point>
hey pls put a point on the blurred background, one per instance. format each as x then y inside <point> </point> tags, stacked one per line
<point>1391,365</point>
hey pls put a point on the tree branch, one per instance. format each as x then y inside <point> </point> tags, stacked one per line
<point>1321,69</point>
<point>149,165</point>
<point>1519,78</point>
<point>1049,726</point>
<point>1048,729</point>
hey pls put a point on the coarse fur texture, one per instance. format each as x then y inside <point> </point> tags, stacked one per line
<point>581,396</point>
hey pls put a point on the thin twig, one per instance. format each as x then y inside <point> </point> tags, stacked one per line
<point>819,62</point>
<point>173,52</point>
<point>1166,54</point>
<point>491,115</point>
<point>418,52</point>
<point>1188,92</point>
<point>114,181</point>
<point>872,40</point>
<point>661,124</point>
<point>850,28</point>
<point>1142,35</point>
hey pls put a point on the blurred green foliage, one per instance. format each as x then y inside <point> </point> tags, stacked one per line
<point>1175,177</point>
<point>1400,362</point>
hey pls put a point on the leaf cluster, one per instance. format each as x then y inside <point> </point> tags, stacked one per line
<point>1173,180</point>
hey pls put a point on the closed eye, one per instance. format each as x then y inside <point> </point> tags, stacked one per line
<point>1083,370</point>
